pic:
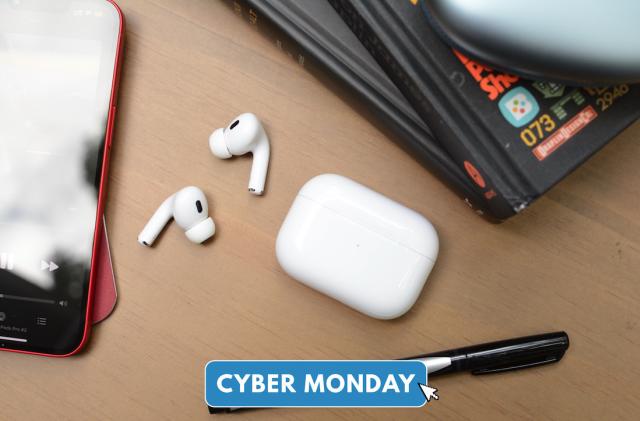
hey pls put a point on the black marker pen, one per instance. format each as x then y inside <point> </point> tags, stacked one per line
<point>492,357</point>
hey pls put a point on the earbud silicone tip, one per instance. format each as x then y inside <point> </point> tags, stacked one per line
<point>202,231</point>
<point>217,144</point>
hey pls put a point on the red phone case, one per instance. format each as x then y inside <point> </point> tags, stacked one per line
<point>105,293</point>
<point>100,230</point>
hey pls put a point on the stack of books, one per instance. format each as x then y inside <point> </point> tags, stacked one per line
<point>497,140</point>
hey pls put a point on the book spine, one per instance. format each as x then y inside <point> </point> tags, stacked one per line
<point>497,205</point>
<point>248,13</point>
<point>405,135</point>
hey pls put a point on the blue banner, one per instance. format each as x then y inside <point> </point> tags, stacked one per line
<point>315,383</point>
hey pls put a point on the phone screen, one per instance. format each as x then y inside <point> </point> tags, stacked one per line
<point>57,64</point>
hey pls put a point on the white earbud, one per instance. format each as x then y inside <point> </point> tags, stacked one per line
<point>189,209</point>
<point>244,134</point>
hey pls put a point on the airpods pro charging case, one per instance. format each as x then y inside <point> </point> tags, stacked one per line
<point>357,246</point>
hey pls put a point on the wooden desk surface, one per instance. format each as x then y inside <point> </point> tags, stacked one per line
<point>571,262</point>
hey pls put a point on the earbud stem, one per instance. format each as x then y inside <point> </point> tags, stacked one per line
<point>259,167</point>
<point>157,222</point>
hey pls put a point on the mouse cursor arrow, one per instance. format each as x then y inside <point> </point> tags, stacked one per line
<point>429,392</point>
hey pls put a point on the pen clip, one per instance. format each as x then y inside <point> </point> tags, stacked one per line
<point>500,368</point>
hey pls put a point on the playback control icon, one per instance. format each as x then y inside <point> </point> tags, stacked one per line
<point>6,261</point>
<point>50,266</point>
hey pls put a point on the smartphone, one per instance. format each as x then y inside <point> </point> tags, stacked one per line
<point>59,68</point>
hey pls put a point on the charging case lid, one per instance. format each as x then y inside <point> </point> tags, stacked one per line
<point>357,246</point>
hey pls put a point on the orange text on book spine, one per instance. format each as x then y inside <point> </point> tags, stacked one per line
<point>492,82</point>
